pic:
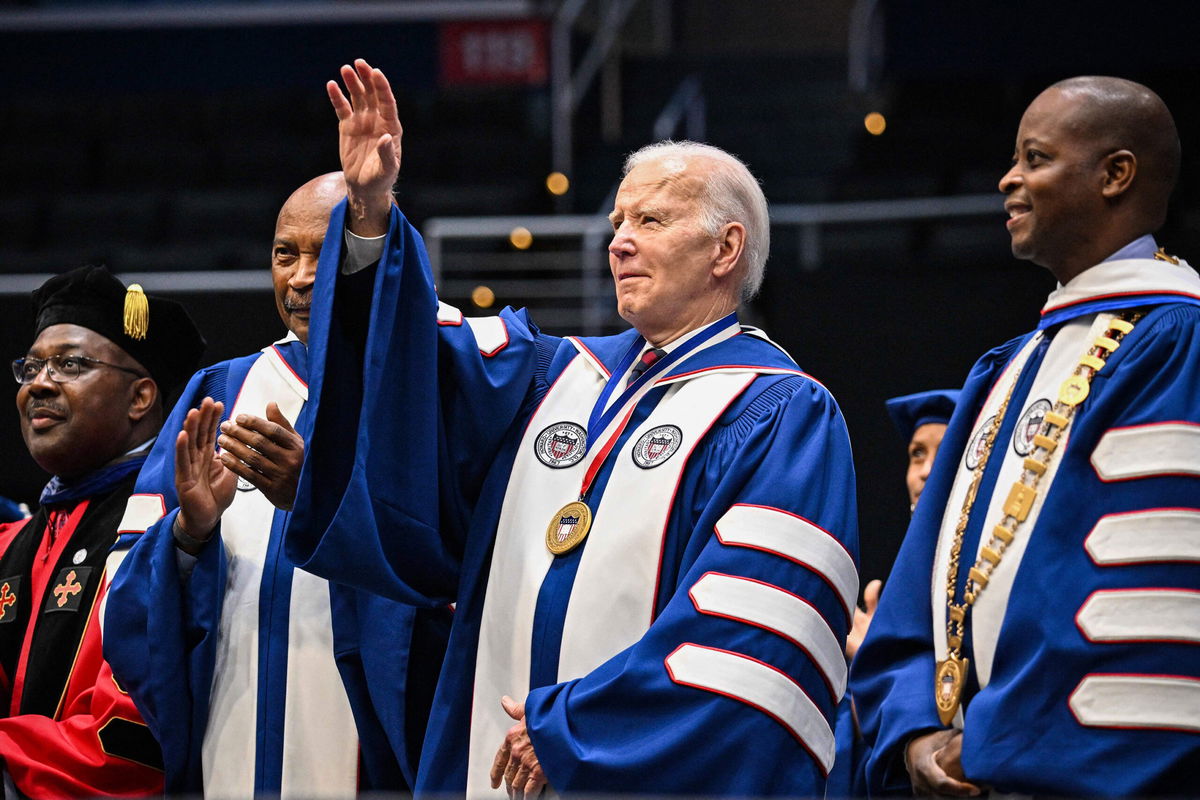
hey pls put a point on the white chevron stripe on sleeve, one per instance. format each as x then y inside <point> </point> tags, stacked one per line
<point>759,685</point>
<point>1143,451</point>
<point>1137,701</point>
<point>1135,615</point>
<point>491,334</point>
<point>776,610</point>
<point>794,538</point>
<point>1161,534</point>
<point>448,314</point>
<point>142,511</point>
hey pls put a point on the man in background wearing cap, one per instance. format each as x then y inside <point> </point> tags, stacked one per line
<point>228,649</point>
<point>90,405</point>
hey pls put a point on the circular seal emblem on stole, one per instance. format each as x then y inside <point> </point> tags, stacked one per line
<point>561,445</point>
<point>656,446</point>
<point>978,443</point>
<point>1029,425</point>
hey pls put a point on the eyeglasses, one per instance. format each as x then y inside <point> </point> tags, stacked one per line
<point>61,369</point>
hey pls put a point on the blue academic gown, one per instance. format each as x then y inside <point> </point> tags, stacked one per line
<point>1047,722</point>
<point>404,493</point>
<point>164,630</point>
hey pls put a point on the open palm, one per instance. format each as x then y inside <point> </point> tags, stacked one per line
<point>369,129</point>
<point>203,485</point>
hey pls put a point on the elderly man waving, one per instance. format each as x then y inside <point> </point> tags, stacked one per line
<point>650,537</point>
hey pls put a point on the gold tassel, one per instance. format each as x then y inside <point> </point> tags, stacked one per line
<point>137,312</point>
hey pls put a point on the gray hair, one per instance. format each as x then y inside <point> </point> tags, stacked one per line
<point>730,194</point>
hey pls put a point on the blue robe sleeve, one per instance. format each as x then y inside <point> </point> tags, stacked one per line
<point>892,673</point>
<point>734,687</point>
<point>161,630</point>
<point>410,403</point>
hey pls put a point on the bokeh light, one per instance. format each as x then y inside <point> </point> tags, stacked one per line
<point>875,123</point>
<point>483,297</point>
<point>520,238</point>
<point>557,183</point>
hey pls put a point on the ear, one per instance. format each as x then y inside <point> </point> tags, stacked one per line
<point>1120,168</point>
<point>144,398</point>
<point>731,242</point>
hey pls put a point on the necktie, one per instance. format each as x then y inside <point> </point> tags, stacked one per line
<point>643,363</point>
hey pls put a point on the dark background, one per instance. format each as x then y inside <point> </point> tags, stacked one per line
<point>170,148</point>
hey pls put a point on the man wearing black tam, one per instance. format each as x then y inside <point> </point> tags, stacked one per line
<point>90,405</point>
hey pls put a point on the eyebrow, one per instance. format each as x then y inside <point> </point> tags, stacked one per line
<point>647,211</point>
<point>64,348</point>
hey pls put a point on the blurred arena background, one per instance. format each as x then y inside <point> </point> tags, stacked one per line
<point>160,138</point>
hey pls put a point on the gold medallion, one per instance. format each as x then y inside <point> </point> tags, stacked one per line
<point>1073,390</point>
<point>568,528</point>
<point>948,686</point>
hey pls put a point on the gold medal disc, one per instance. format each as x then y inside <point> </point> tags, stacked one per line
<point>568,528</point>
<point>948,686</point>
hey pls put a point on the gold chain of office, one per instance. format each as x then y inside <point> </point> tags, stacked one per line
<point>952,671</point>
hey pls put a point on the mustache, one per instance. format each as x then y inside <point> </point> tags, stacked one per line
<point>38,404</point>
<point>294,303</point>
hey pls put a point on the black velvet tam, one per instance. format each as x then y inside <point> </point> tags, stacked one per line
<point>93,298</point>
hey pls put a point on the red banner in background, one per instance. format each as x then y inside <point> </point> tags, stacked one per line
<point>491,53</point>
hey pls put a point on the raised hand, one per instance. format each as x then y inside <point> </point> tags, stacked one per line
<point>369,144</point>
<point>202,484</point>
<point>266,452</point>
<point>516,763</point>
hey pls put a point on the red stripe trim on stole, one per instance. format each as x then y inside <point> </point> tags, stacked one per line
<point>761,370</point>
<point>236,399</point>
<point>599,364</point>
<point>279,353</point>
<point>546,396</point>
<point>40,578</point>
<point>662,547</point>
<point>93,620</point>
<point>1117,294</point>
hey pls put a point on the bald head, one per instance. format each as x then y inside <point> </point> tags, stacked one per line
<point>317,197</point>
<point>1093,168</point>
<point>299,235</point>
<point>1118,114</point>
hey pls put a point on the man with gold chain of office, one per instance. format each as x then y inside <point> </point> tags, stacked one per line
<point>1054,651</point>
